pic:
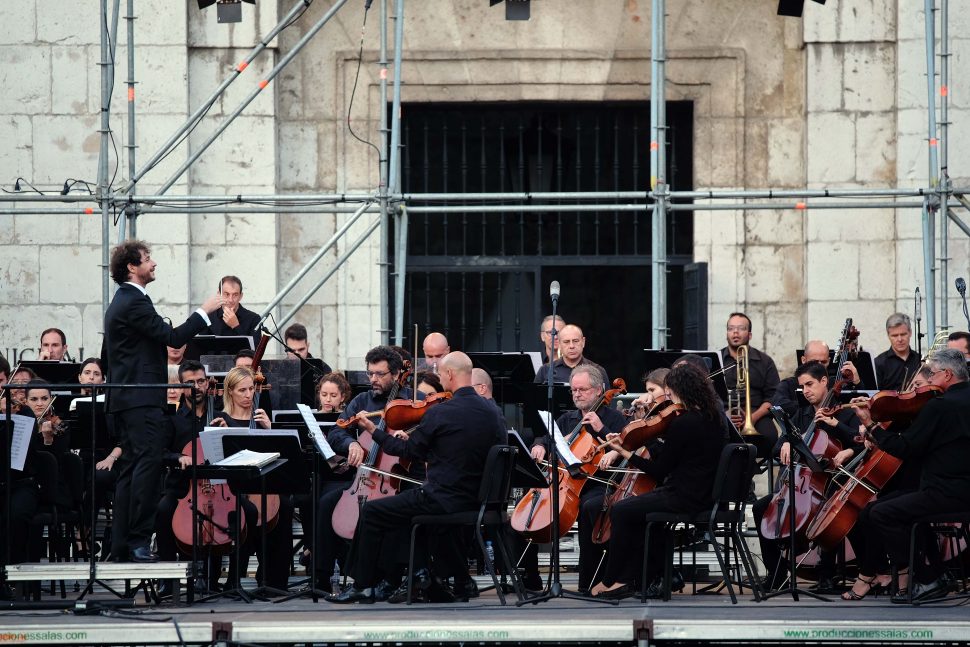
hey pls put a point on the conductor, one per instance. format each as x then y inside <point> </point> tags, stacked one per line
<point>135,340</point>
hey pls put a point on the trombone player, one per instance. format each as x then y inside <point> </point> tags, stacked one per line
<point>758,382</point>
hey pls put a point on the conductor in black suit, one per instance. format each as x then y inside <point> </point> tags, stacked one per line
<point>232,318</point>
<point>135,340</point>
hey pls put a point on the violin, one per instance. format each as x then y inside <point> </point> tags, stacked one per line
<point>379,476</point>
<point>810,488</point>
<point>58,426</point>
<point>839,514</point>
<point>640,432</point>
<point>533,514</point>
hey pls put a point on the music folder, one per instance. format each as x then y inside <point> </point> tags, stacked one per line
<point>526,474</point>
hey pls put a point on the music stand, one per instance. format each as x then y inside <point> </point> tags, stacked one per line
<point>56,372</point>
<point>216,345</point>
<point>525,472</point>
<point>798,450</point>
<point>90,423</point>
<point>863,363</point>
<point>658,358</point>
<point>293,480</point>
<point>512,374</point>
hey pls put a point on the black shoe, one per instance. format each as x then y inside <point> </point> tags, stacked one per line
<point>143,555</point>
<point>466,589</point>
<point>677,583</point>
<point>621,593</point>
<point>824,585</point>
<point>350,595</point>
<point>934,590</point>
<point>383,591</point>
<point>400,595</point>
<point>532,582</point>
<point>438,591</point>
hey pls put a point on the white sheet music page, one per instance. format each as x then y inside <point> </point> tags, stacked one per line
<point>315,432</point>
<point>22,428</point>
<point>565,453</point>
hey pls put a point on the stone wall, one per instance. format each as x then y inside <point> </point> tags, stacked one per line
<point>835,99</point>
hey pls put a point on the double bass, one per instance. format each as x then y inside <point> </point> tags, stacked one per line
<point>810,488</point>
<point>533,515</point>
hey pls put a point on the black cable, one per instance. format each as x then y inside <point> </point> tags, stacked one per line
<point>353,92</point>
<point>16,190</point>
<point>107,35</point>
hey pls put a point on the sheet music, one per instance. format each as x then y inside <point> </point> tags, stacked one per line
<point>23,426</point>
<point>211,438</point>
<point>562,447</point>
<point>86,398</point>
<point>316,434</point>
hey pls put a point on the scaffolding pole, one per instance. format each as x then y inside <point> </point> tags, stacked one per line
<point>930,203</point>
<point>944,171</point>
<point>131,215</point>
<point>658,167</point>
<point>400,258</point>
<point>104,190</point>
<point>383,188</point>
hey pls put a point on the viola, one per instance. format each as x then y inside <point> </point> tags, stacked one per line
<point>405,414</point>
<point>839,514</point>
<point>214,504</point>
<point>640,432</point>
<point>533,515</point>
<point>810,488</point>
<point>379,476</point>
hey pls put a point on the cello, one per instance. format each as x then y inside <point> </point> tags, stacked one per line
<point>533,515</point>
<point>214,503</point>
<point>809,487</point>
<point>840,513</point>
<point>379,476</point>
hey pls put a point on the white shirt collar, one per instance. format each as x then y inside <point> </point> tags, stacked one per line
<point>137,287</point>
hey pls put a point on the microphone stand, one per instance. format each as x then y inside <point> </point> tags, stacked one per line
<point>798,449</point>
<point>303,362</point>
<point>919,323</point>
<point>963,297</point>
<point>554,586</point>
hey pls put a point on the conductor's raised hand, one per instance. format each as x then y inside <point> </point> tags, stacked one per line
<point>212,304</point>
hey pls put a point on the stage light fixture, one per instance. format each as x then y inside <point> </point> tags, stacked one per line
<point>793,7</point>
<point>514,9</point>
<point>226,10</point>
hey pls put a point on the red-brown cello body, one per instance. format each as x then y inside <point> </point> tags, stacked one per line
<point>214,503</point>
<point>533,515</point>
<point>839,514</point>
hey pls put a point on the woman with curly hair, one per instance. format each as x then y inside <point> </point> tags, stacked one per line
<point>685,469</point>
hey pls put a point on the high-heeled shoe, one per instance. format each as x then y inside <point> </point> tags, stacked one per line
<point>872,587</point>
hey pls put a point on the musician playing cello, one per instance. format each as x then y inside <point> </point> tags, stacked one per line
<point>685,467</point>
<point>454,437</point>
<point>940,438</point>
<point>812,377</point>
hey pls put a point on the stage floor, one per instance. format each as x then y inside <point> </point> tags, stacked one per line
<point>686,619</point>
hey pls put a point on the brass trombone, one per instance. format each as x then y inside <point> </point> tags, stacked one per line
<point>748,431</point>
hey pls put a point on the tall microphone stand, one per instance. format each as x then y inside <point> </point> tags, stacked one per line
<point>798,450</point>
<point>918,306</point>
<point>962,289</point>
<point>554,587</point>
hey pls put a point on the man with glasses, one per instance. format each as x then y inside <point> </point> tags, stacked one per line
<point>550,341</point>
<point>572,343</point>
<point>939,439</point>
<point>762,376</point>
<point>586,383</point>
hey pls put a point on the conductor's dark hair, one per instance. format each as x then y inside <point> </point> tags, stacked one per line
<point>385,354</point>
<point>815,369</point>
<point>295,331</point>
<point>127,252</point>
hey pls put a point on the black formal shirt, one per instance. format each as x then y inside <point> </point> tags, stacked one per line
<point>246,327</point>
<point>688,462</point>
<point>454,438</point>
<point>762,374</point>
<point>340,439</point>
<point>940,438</point>
<point>892,371</point>
<point>561,372</point>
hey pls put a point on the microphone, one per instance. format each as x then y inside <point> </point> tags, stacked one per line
<point>961,286</point>
<point>919,305</point>
<point>554,292</point>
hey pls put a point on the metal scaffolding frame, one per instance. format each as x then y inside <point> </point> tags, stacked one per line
<point>391,203</point>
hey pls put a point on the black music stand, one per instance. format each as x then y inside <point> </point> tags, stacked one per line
<point>90,422</point>
<point>56,373</point>
<point>513,374</point>
<point>293,480</point>
<point>800,450</point>
<point>217,345</point>
<point>237,474</point>
<point>863,363</point>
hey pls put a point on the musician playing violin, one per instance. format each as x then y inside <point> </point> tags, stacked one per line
<point>685,467</point>
<point>454,437</point>
<point>940,438</point>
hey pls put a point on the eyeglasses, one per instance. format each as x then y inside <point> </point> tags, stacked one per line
<point>933,374</point>
<point>377,374</point>
<point>737,329</point>
<point>583,389</point>
<point>477,385</point>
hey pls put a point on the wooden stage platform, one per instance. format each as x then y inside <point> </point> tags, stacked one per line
<point>685,620</point>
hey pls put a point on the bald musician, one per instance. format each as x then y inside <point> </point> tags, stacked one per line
<point>572,344</point>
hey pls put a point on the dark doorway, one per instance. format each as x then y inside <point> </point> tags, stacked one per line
<point>483,279</point>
